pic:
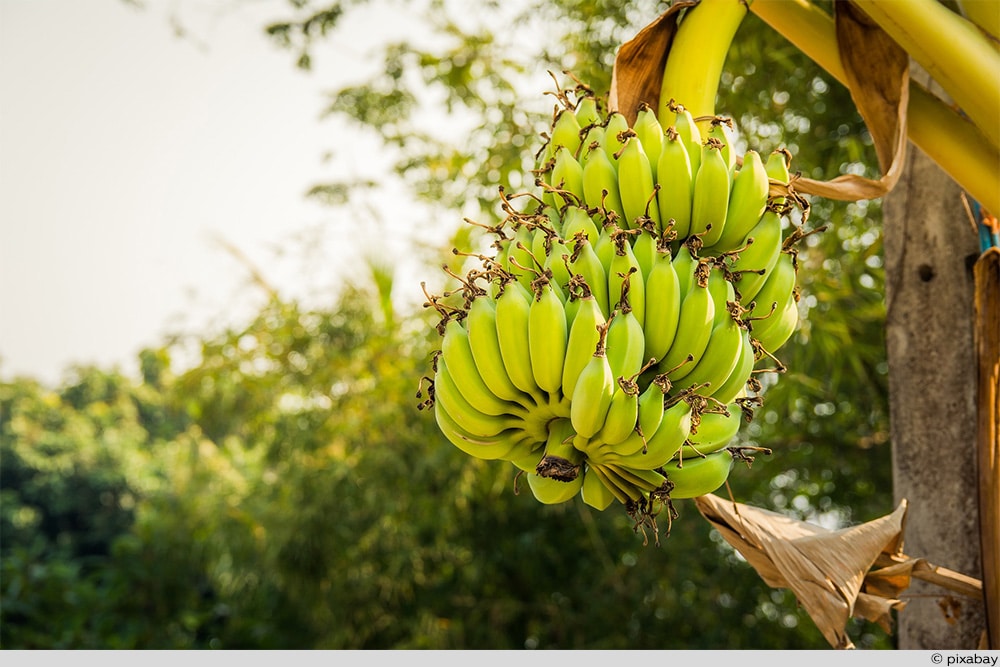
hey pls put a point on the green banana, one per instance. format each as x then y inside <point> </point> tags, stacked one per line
<point>595,492</point>
<point>648,415</point>
<point>614,125</point>
<point>556,266</point>
<point>735,384</point>
<point>644,249</point>
<point>594,390</point>
<point>633,292</point>
<point>519,254</point>
<point>585,262</point>
<point>600,182</point>
<point>777,167</point>
<point>587,110</point>
<point>513,306</point>
<point>584,335</point>
<point>560,461</point>
<point>598,451</point>
<point>723,293</point>
<point>644,479</point>
<point>650,134</point>
<point>676,184</point>
<point>689,133</point>
<point>714,431</point>
<point>663,444</point>
<point>567,176</point>
<point>697,476</point>
<point>526,449</point>
<point>593,138</point>
<point>590,447</point>
<point>757,259</point>
<point>747,202</point>
<point>542,235</point>
<point>694,329</point>
<point>710,203</point>
<point>553,219</point>
<point>626,344</point>
<point>623,414</point>
<point>663,305</point>
<point>717,131</point>
<point>550,491</point>
<point>547,336</point>
<point>635,183</point>
<point>775,331</point>
<point>720,358</point>
<point>774,293</point>
<point>651,407</point>
<point>456,350</point>
<point>527,459</point>
<point>685,262</point>
<point>481,323</point>
<point>471,420</point>
<point>623,491</point>
<point>625,281</point>
<point>565,132</point>
<point>576,219</point>
<point>489,448</point>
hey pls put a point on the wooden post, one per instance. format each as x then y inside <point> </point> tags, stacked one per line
<point>930,248</point>
<point>987,276</point>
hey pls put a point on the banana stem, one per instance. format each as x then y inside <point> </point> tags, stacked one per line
<point>951,49</point>
<point>985,14</point>
<point>954,143</point>
<point>698,52</point>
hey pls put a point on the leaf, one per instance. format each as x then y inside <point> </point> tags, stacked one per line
<point>857,571</point>
<point>824,568</point>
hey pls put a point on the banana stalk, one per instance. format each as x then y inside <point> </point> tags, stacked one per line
<point>951,49</point>
<point>697,54</point>
<point>985,14</point>
<point>954,143</point>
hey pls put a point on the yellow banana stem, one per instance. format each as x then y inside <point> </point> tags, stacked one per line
<point>985,14</point>
<point>953,142</point>
<point>956,145</point>
<point>952,50</point>
<point>697,55</point>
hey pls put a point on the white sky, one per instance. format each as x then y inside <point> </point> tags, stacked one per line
<point>124,150</point>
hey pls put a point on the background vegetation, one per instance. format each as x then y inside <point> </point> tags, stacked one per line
<point>285,492</point>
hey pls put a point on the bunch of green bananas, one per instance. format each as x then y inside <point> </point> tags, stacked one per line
<point>608,345</point>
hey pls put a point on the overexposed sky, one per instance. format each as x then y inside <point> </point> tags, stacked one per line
<point>126,152</point>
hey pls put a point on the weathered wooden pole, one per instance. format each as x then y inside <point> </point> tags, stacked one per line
<point>930,248</point>
<point>987,276</point>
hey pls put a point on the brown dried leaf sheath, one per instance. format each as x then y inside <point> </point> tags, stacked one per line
<point>835,574</point>
<point>877,71</point>
<point>878,77</point>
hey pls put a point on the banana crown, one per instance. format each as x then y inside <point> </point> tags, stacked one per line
<point>609,343</point>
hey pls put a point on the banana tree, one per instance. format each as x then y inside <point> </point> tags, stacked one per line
<point>614,340</point>
<point>868,46</point>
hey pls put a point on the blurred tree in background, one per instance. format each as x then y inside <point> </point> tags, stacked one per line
<point>285,491</point>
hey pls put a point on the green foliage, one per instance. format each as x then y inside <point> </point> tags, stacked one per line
<point>295,498</point>
<point>285,492</point>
